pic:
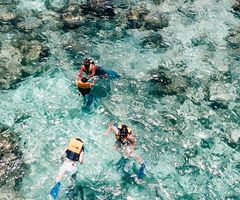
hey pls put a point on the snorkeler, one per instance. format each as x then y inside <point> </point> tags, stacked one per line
<point>126,143</point>
<point>91,69</point>
<point>84,86</point>
<point>74,154</point>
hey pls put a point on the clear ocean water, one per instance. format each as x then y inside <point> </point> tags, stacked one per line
<point>191,148</point>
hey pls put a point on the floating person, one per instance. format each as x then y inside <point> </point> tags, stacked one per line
<point>74,154</point>
<point>126,143</point>
<point>84,87</point>
<point>91,70</point>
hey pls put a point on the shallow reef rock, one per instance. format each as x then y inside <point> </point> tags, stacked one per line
<point>163,82</point>
<point>6,2</point>
<point>236,5</point>
<point>6,15</point>
<point>17,61</point>
<point>136,16</point>
<point>51,20</point>
<point>56,5</point>
<point>153,40</point>
<point>29,23</point>
<point>100,7</point>
<point>10,60</point>
<point>11,163</point>
<point>73,16</point>
<point>155,20</point>
<point>31,51</point>
<point>141,17</point>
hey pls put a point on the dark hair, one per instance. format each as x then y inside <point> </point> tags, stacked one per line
<point>84,79</point>
<point>86,62</point>
<point>79,140</point>
<point>124,130</point>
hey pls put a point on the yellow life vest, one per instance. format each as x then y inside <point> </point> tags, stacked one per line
<point>75,146</point>
<point>83,85</point>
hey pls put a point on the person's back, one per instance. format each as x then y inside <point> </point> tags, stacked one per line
<point>84,87</point>
<point>73,154</point>
<point>88,67</point>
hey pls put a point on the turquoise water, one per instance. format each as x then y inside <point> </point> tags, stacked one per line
<point>191,148</point>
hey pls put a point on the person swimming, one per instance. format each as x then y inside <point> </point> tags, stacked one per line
<point>126,143</point>
<point>73,155</point>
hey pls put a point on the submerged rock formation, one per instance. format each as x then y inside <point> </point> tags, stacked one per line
<point>11,163</point>
<point>163,82</point>
<point>236,5</point>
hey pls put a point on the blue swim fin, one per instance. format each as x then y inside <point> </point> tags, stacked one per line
<point>141,171</point>
<point>54,191</point>
<point>112,74</point>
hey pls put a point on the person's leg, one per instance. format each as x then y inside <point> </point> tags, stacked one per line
<point>101,72</point>
<point>136,157</point>
<point>132,154</point>
<point>61,171</point>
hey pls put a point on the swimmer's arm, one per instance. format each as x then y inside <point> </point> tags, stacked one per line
<point>91,84</point>
<point>80,72</point>
<point>81,157</point>
<point>111,127</point>
<point>93,72</point>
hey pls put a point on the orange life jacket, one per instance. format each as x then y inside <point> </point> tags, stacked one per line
<point>83,85</point>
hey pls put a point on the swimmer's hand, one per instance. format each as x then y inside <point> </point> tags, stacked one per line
<point>110,125</point>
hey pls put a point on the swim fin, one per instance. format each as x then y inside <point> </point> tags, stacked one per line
<point>54,191</point>
<point>112,74</point>
<point>140,173</point>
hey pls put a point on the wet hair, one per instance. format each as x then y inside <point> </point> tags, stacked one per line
<point>84,79</point>
<point>124,130</point>
<point>86,62</point>
<point>79,140</point>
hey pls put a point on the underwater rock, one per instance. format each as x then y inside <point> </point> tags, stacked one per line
<point>11,163</point>
<point>5,28</point>
<point>33,51</point>
<point>73,16</point>
<point>167,84</point>
<point>73,21</point>
<point>10,60</point>
<point>29,24</point>
<point>157,2</point>
<point>100,8</point>
<point>153,40</point>
<point>6,15</point>
<point>222,92</point>
<point>136,17</point>
<point>6,1</point>
<point>56,5</point>
<point>13,61</point>
<point>236,5</point>
<point>51,20</point>
<point>155,21</point>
